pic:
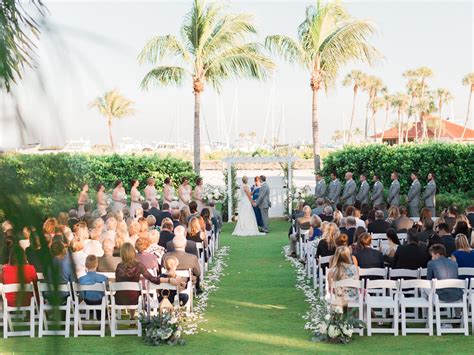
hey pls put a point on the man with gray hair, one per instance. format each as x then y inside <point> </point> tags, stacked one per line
<point>379,225</point>
<point>327,214</point>
<point>351,226</point>
<point>319,206</point>
<point>108,262</point>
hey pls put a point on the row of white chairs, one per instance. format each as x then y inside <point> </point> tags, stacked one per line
<point>400,301</point>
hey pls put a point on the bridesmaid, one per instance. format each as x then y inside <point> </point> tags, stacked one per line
<point>151,194</point>
<point>255,192</point>
<point>135,197</point>
<point>119,196</point>
<point>198,194</point>
<point>82,201</point>
<point>184,192</point>
<point>168,191</point>
<point>101,200</point>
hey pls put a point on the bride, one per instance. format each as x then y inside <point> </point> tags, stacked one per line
<point>246,223</point>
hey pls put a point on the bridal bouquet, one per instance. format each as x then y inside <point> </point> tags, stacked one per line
<point>213,193</point>
<point>164,328</point>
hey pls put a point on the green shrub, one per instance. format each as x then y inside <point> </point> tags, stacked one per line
<point>452,164</point>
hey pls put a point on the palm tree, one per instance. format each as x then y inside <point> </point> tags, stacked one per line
<point>377,104</point>
<point>469,81</point>
<point>400,103</point>
<point>328,38</point>
<point>113,105</point>
<point>443,97</point>
<point>372,85</point>
<point>388,105</point>
<point>213,47</point>
<point>425,106</point>
<point>355,78</point>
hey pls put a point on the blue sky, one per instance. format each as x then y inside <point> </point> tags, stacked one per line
<point>95,46</point>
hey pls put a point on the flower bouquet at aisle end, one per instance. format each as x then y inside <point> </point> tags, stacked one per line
<point>213,193</point>
<point>165,328</point>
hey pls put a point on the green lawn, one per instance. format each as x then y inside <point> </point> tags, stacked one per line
<point>255,310</point>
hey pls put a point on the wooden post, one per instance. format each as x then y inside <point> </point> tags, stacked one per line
<point>229,191</point>
<point>290,184</point>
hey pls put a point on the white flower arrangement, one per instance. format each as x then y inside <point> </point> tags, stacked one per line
<point>213,193</point>
<point>327,323</point>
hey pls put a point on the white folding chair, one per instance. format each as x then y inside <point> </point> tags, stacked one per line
<point>471,301</point>
<point>40,276</point>
<point>310,254</point>
<point>423,299</point>
<point>466,272</point>
<point>109,275</point>
<point>395,274</point>
<point>460,303</point>
<point>402,237</point>
<point>152,292</point>
<point>375,273</point>
<point>115,308</point>
<point>187,274</point>
<point>422,273</point>
<point>59,292</point>
<point>80,318</point>
<point>303,236</point>
<point>323,262</point>
<point>9,321</point>
<point>358,286</point>
<point>378,297</point>
<point>202,260</point>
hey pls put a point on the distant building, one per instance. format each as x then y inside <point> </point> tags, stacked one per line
<point>450,132</point>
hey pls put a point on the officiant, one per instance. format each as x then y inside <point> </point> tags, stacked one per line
<point>255,193</point>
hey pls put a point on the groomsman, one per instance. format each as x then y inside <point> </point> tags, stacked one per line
<point>377,193</point>
<point>393,198</point>
<point>429,196</point>
<point>349,193</point>
<point>320,189</point>
<point>413,197</point>
<point>363,194</point>
<point>334,190</point>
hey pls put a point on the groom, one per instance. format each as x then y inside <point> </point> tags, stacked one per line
<point>263,202</point>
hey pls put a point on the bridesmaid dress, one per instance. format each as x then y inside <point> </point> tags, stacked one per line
<point>135,196</point>
<point>168,194</point>
<point>185,195</point>
<point>151,194</point>
<point>101,203</point>
<point>120,201</point>
<point>82,201</point>
<point>198,196</point>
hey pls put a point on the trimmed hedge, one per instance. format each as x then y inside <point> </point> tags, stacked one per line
<point>452,163</point>
<point>53,181</point>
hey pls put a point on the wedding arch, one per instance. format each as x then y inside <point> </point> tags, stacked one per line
<point>230,161</point>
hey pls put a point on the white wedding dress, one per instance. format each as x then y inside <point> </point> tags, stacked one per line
<point>246,223</point>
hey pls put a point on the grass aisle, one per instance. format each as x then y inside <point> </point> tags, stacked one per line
<point>256,309</point>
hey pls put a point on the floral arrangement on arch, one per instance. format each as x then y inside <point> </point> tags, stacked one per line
<point>302,192</point>
<point>165,328</point>
<point>213,193</point>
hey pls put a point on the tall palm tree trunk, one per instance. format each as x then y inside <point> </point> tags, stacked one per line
<point>109,119</point>
<point>467,114</point>
<point>400,124</point>
<point>197,132</point>
<point>439,125</point>
<point>384,124</point>
<point>366,128</point>
<point>352,114</point>
<point>315,126</point>
<point>373,123</point>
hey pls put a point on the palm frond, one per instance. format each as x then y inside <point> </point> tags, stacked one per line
<point>286,47</point>
<point>162,47</point>
<point>113,105</point>
<point>163,75</point>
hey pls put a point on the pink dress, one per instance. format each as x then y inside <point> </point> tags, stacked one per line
<point>184,195</point>
<point>168,193</point>
<point>198,196</point>
<point>136,198</point>
<point>151,194</point>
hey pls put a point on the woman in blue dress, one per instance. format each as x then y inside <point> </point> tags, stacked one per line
<point>255,192</point>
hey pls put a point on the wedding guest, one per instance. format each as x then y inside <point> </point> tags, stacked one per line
<point>94,246</point>
<point>164,213</point>
<point>425,213</point>
<point>379,225</point>
<point>72,218</point>
<point>151,220</point>
<point>151,195</point>
<point>427,231</point>
<point>171,266</point>
<point>184,192</point>
<point>198,194</point>
<point>168,191</point>
<point>393,214</point>
<point>315,230</point>
<point>319,207</point>
<point>217,216</point>
<point>367,257</point>
<point>18,271</point>
<point>149,260</point>
<point>143,227</point>
<point>206,216</point>
<point>155,212</point>
<point>36,254</point>
<point>133,231</point>
<point>130,270</point>
<point>351,226</point>
<point>82,201</point>
<point>49,228</point>
<point>146,207</point>
<point>110,230</point>
<point>195,233</point>
<point>470,215</point>
<point>61,270</point>
<point>25,241</point>
<point>337,217</point>
<point>461,227</point>
<point>176,218</point>
<point>451,216</point>
<point>463,255</point>
<point>327,214</point>
<point>101,200</point>
<point>122,238</point>
<point>342,268</point>
<point>446,239</point>
<point>193,210</point>
<point>119,196</point>
<point>343,241</point>
<point>441,268</point>
<point>120,218</point>
<point>411,255</point>
<point>92,278</point>
<point>135,197</point>
<point>402,223</point>
<point>78,257</point>
<point>304,222</point>
<point>184,215</point>
<point>388,250</point>
<point>108,262</point>
<point>356,244</point>
<point>166,232</point>
<point>327,244</point>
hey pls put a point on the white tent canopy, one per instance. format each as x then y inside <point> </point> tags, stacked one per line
<point>230,161</point>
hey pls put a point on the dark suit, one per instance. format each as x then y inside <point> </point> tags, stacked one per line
<point>449,243</point>
<point>165,237</point>
<point>155,212</point>
<point>402,224</point>
<point>162,216</point>
<point>425,236</point>
<point>369,258</point>
<point>378,226</point>
<point>350,233</point>
<point>190,247</point>
<point>410,256</point>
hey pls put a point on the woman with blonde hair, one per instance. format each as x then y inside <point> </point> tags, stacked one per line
<point>78,257</point>
<point>393,214</point>
<point>133,231</point>
<point>341,268</point>
<point>327,244</point>
<point>171,265</point>
<point>195,232</point>
<point>184,215</point>
<point>143,227</point>
<point>463,255</point>
<point>337,217</point>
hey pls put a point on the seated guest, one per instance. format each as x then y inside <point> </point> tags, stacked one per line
<point>411,255</point>
<point>35,254</point>
<point>315,230</point>
<point>470,215</point>
<point>463,255</point>
<point>451,217</point>
<point>186,260</point>
<point>327,214</point>
<point>393,214</point>
<point>94,247</point>
<point>216,216</point>
<point>18,271</point>
<point>379,225</point>
<point>166,233</point>
<point>343,225</point>
<point>446,239</point>
<point>193,209</point>
<point>356,245</point>
<point>442,268</point>
<point>190,245</point>
<point>154,211</point>
<point>402,223</point>
<point>195,233</point>
<point>425,214</point>
<point>171,266</point>
<point>133,231</point>
<point>337,217</point>
<point>165,213</point>
<point>111,226</point>
<point>73,219</point>
<point>319,209</point>
<point>351,226</point>
<point>78,257</point>
<point>60,271</point>
<point>91,278</point>
<point>342,268</point>
<point>108,262</point>
<point>364,211</point>
<point>370,217</point>
<point>143,228</point>
<point>176,218</point>
<point>206,216</point>
<point>368,257</point>
<point>151,220</point>
<point>461,227</point>
<point>327,244</point>
<point>304,222</point>
<point>356,214</point>
<point>388,250</point>
<point>146,208</point>
<point>183,216</point>
<point>343,241</point>
<point>427,233</point>
<point>149,260</point>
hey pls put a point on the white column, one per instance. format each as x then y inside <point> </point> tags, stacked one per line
<point>290,184</point>
<point>229,190</point>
